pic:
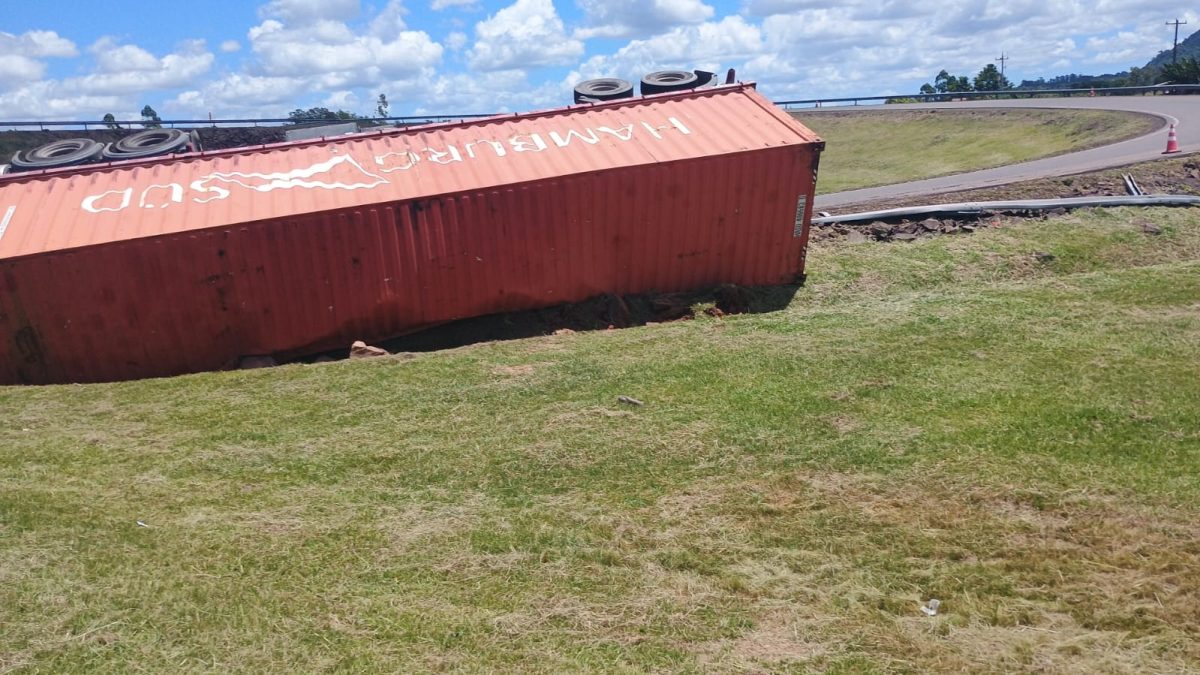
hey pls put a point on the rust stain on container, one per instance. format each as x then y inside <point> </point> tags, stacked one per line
<point>159,267</point>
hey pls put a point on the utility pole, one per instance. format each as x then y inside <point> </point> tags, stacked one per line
<point>1175,50</point>
<point>1002,58</point>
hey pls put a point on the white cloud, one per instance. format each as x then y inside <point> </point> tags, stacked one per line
<point>524,35</point>
<point>456,41</point>
<point>16,69</point>
<point>307,11</point>
<point>706,46</point>
<point>50,100</point>
<point>129,69</point>
<point>439,5</point>
<point>37,44</point>
<point>390,22</point>
<point>501,91</point>
<point>331,50</point>
<point>114,58</point>
<point>638,18</point>
<point>341,100</point>
<point>344,52</point>
<point>21,55</point>
<point>240,95</point>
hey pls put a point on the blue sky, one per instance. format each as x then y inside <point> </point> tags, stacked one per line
<point>247,58</point>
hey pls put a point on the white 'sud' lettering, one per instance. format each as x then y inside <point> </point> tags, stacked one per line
<point>344,172</point>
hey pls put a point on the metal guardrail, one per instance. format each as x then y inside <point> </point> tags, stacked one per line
<point>1005,94</point>
<point>811,102</point>
<point>268,121</point>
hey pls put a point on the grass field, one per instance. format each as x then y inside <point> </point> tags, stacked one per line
<point>950,418</point>
<point>878,148</point>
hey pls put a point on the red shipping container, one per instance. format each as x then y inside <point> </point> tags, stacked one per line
<point>159,267</point>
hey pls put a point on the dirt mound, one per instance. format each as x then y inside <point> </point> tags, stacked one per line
<point>1178,176</point>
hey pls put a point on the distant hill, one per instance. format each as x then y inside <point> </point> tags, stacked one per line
<point>1135,77</point>
<point>1187,48</point>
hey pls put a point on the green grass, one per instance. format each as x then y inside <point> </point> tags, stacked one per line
<point>865,149</point>
<point>947,419</point>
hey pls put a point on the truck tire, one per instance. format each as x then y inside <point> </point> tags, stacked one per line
<point>67,152</point>
<point>148,143</point>
<point>602,89</point>
<point>662,81</point>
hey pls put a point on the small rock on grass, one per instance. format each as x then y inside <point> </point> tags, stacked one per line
<point>362,350</point>
<point>629,400</point>
<point>1044,257</point>
<point>1151,228</point>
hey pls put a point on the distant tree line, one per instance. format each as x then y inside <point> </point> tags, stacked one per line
<point>299,116</point>
<point>1185,71</point>
<point>987,79</point>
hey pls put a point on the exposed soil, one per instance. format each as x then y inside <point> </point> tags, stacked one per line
<point>1176,175</point>
<point>1179,175</point>
<point>605,312</point>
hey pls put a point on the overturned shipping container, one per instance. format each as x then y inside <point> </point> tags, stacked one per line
<point>167,266</point>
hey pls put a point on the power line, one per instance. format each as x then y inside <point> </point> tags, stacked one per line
<point>1002,58</point>
<point>1175,50</point>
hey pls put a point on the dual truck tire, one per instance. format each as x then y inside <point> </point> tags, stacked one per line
<point>77,151</point>
<point>659,82</point>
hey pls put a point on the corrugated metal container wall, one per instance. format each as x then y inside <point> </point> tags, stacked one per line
<point>158,268</point>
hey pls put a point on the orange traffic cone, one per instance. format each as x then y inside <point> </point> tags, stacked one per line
<point>1172,142</point>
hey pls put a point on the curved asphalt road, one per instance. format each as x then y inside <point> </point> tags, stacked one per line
<point>1177,109</point>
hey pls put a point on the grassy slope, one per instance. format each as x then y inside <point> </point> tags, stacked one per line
<point>917,145</point>
<point>945,419</point>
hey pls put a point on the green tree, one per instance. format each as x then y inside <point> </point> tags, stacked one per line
<point>945,83</point>
<point>1185,71</point>
<point>299,116</point>
<point>110,121</point>
<point>990,79</point>
<point>927,89</point>
<point>941,83</point>
<point>1141,77</point>
<point>381,106</point>
<point>150,119</point>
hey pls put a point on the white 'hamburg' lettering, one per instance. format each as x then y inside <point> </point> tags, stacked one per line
<point>89,203</point>
<point>534,144</point>
<point>497,146</point>
<point>591,138</point>
<point>625,133</point>
<point>408,160</point>
<point>176,196</point>
<point>673,123</point>
<point>441,157</point>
